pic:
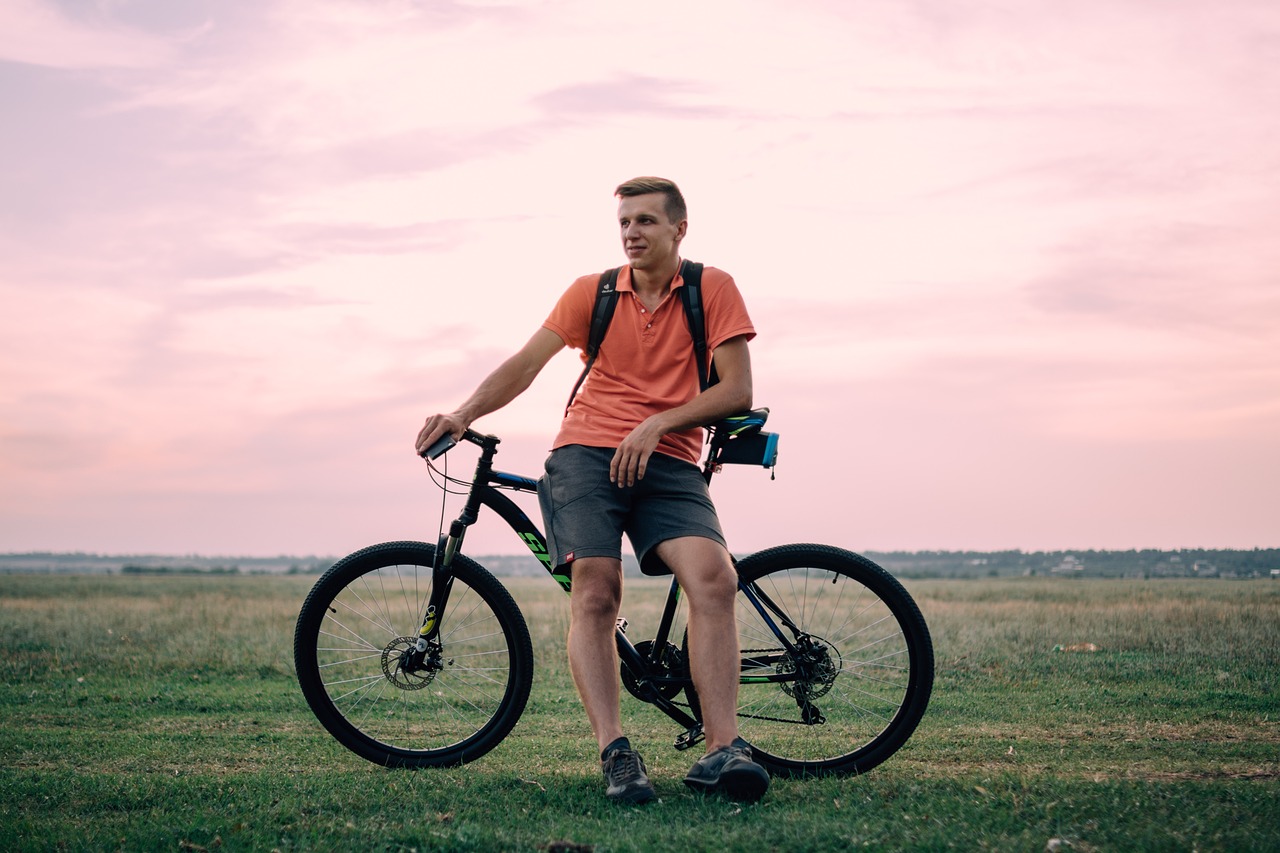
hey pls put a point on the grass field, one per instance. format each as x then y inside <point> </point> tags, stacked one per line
<point>161,713</point>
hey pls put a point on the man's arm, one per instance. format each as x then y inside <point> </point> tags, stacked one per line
<point>502,386</point>
<point>732,394</point>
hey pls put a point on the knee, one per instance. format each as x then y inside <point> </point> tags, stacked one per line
<point>724,586</point>
<point>715,587</point>
<point>595,604</point>
<point>597,592</point>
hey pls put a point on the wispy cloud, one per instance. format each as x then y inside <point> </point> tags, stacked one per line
<point>1182,277</point>
<point>249,246</point>
<point>45,34</point>
<point>632,95</point>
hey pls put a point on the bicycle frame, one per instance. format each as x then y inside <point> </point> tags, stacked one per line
<point>485,491</point>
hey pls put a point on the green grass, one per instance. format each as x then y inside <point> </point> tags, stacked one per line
<point>160,713</point>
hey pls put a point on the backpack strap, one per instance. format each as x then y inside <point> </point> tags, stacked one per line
<point>601,314</point>
<point>691,296</point>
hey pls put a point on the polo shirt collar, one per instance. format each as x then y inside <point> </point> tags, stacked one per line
<point>624,278</point>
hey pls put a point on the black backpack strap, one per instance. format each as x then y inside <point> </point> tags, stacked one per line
<point>601,314</point>
<point>691,296</point>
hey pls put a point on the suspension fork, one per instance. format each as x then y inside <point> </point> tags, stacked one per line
<point>441,586</point>
<point>448,547</point>
<point>442,567</point>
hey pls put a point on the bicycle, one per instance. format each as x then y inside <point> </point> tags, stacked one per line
<point>414,655</point>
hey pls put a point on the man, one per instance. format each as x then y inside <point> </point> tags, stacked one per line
<point>625,460</point>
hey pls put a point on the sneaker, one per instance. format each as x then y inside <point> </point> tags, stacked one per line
<point>624,771</point>
<point>730,771</point>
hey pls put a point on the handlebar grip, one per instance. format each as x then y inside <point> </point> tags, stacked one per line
<point>437,449</point>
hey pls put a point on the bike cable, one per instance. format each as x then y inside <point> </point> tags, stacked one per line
<point>443,483</point>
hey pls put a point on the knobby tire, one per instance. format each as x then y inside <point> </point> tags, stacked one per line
<point>364,611</point>
<point>870,663</point>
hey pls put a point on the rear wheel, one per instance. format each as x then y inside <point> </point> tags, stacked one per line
<point>353,649</point>
<point>854,679</point>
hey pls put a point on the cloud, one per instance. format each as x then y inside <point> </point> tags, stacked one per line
<point>423,149</point>
<point>242,262</point>
<point>631,95</point>
<point>1183,277</point>
<point>360,238</point>
<point>40,33</point>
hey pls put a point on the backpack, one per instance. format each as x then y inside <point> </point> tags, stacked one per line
<point>690,297</point>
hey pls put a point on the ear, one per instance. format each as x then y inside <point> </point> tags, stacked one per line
<point>682,229</point>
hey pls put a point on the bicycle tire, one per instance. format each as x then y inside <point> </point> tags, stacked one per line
<point>871,663</point>
<point>365,610</point>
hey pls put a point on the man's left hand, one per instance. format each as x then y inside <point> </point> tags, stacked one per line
<point>632,456</point>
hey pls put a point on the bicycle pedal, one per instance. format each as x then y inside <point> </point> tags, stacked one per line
<point>622,624</point>
<point>690,738</point>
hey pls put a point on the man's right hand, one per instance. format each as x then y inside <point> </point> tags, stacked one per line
<point>438,425</point>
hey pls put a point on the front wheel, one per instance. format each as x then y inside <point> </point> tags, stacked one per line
<point>852,680</point>
<point>352,649</point>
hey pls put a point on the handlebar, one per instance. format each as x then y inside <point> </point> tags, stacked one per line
<point>447,442</point>
<point>438,449</point>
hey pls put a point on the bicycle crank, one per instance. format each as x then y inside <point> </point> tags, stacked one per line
<point>670,663</point>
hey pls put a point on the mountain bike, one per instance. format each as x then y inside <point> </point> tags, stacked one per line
<point>414,655</point>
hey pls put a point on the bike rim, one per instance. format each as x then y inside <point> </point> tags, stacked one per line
<point>370,621</point>
<point>853,681</point>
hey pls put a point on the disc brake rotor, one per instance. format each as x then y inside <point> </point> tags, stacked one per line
<point>820,664</point>
<point>396,674</point>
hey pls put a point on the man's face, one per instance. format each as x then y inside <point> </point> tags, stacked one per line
<point>649,238</point>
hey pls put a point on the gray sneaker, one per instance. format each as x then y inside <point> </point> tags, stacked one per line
<point>625,774</point>
<point>730,771</point>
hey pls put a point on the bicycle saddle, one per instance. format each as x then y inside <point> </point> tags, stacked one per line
<point>743,423</point>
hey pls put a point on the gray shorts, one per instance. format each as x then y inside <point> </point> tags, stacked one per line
<point>586,515</point>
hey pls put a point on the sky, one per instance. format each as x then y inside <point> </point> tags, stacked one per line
<point>1013,266</point>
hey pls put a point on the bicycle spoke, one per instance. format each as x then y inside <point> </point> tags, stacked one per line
<point>364,676</point>
<point>842,694</point>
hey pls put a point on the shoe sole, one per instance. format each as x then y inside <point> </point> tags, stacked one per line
<point>746,784</point>
<point>634,797</point>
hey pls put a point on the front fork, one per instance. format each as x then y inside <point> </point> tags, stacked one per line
<point>426,650</point>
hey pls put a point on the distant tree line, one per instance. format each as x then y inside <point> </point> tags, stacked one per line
<point>139,564</point>
<point>133,569</point>
<point>1147,563</point>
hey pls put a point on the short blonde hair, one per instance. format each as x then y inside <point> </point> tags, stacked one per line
<point>675,206</point>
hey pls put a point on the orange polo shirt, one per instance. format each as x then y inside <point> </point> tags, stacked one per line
<point>646,363</point>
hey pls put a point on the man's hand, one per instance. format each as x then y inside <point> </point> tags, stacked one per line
<point>632,456</point>
<point>438,425</point>
<point>730,395</point>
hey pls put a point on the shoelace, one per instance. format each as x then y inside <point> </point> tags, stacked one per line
<point>622,763</point>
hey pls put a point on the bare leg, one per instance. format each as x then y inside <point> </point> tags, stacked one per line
<point>710,583</point>
<point>593,656</point>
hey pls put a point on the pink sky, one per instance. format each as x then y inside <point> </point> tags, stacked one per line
<point>1014,268</point>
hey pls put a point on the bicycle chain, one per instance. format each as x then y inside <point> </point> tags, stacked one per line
<point>751,716</point>
<point>755,716</point>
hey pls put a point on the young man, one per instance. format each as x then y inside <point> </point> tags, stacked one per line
<point>625,460</point>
